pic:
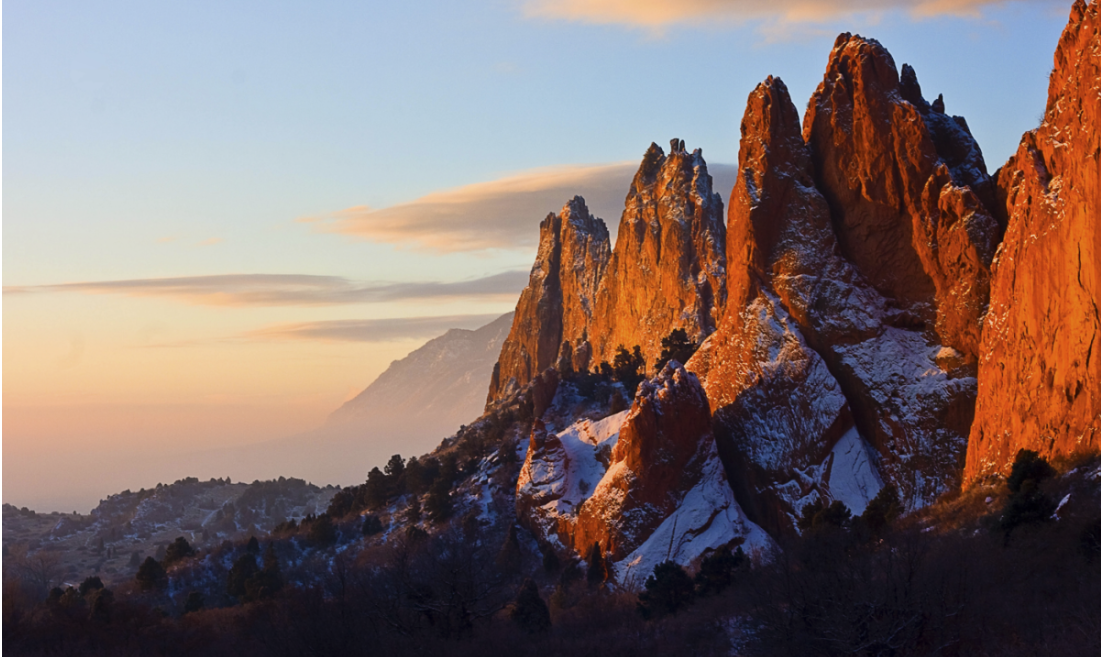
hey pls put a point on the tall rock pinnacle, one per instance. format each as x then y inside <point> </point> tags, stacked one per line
<point>1040,365</point>
<point>858,261</point>
<point>668,267</point>
<point>901,178</point>
<point>557,305</point>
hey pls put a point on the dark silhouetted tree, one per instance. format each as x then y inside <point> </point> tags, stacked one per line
<point>884,509</point>
<point>321,532</point>
<point>529,611</point>
<point>394,470</point>
<point>178,550</point>
<point>676,346</point>
<point>1028,466</point>
<point>413,511</point>
<point>509,557</point>
<point>151,575</point>
<point>629,368</point>
<point>243,570</point>
<point>375,491</point>
<point>268,581</point>
<point>194,602</point>
<point>100,603</point>
<point>1027,504</point>
<point>92,583</point>
<point>438,503</point>
<point>668,590</point>
<point>253,545</point>
<point>717,570</point>
<point>818,517</point>
<point>598,573</point>
<point>371,525</point>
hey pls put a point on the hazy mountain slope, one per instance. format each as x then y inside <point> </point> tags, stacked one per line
<point>432,391</point>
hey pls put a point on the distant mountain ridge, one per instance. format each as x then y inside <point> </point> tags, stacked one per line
<point>432,391</point>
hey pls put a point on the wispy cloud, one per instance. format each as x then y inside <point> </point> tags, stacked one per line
<point>290,289</point>
<point>369,330</point>
<point>500,214</point>
<point>657,14</point>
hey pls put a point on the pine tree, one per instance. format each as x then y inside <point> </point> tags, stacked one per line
<point>177,550</point>
<point>321,532</point>
<point>89,584</point>
<point>1028,466</point>
<point>529,611</point>
<point>629,368</point>
<point>510,556</point>
<point>195,602</point>
<point>242,571</point>
<point>268,581</point>
<point>438,504</point>
<point>884,509</point>
<point>151,575</point>
<point>413,511</point>
<point>371,525</point>
<point>668,590</point>
<point>717,571</point>
<point>676,346</point>
<point>375,491</point>
<point>598,568</point>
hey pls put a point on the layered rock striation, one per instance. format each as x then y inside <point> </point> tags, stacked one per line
<point>1040,364</point>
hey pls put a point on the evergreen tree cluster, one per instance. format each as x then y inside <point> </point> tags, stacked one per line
<point>675,346</point>
<point>627,367</point>
<point>415,477</point>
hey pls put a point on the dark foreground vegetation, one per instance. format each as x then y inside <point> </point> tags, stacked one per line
<point>1013,569</point>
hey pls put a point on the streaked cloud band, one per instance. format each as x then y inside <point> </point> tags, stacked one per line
<point>291,289</point>
<point>498,214</point>
<point>370,330</point>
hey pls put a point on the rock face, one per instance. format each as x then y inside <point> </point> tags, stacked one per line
<point>646,484</point>
<point>859,305</point>
<point>558,303</point>
<point>900,176</point>
<point>1040,364</point>
<point>822,340</point>
<point>667,270</point>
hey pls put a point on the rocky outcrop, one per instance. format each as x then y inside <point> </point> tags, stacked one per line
<point>1040,365</point>
<point>667,270</point>
<point>810,351</point>
<point>655,461</point>
<point>900,177</point>
<point>558,303</point>
<point>646,484</point>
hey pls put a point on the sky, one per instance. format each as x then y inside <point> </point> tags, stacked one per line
<point>223,219</point>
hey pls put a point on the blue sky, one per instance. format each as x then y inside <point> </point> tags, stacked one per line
<point>146,140</point>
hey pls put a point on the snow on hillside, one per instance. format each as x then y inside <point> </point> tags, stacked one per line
<point>708,518</point>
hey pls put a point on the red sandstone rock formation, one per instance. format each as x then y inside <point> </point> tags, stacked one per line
<point>667,270</point>
<point>900,178</point>
<point>808,347</point>
<point>646,484</point>
<point>1040,365</point>
<point>654,463</point>
<point>557,305</point>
